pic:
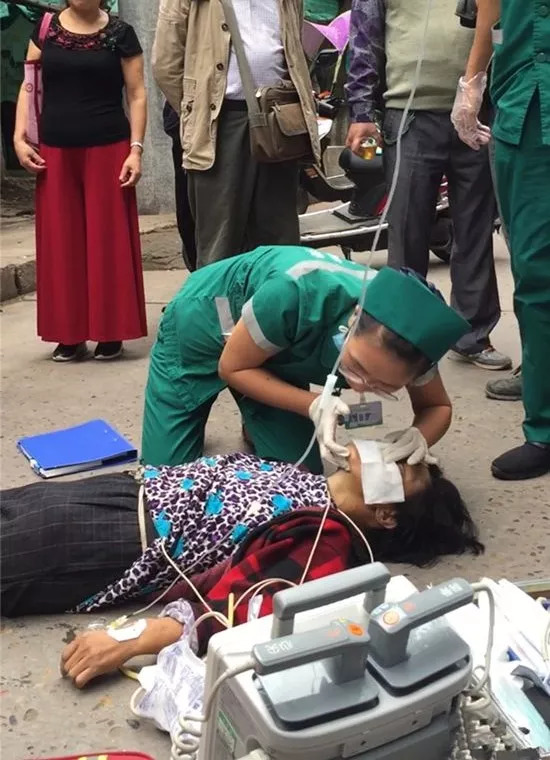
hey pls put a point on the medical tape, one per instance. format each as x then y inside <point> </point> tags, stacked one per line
<point>381,481</point>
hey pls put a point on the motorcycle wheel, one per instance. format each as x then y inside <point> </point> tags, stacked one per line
<point>442,239</point>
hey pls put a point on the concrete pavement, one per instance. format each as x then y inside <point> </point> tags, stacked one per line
<point>18,255</point>
<point>43,715</point>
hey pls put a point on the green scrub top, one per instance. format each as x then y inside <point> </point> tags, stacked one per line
<point>521,66</point>
<point>292,300</point>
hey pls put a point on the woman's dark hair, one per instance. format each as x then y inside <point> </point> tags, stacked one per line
<point>430,524</point>
<point>394,343</point>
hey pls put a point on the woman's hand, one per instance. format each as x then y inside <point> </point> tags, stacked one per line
<point>29,158</point>
<point>93,653</point>
<point>131,170</point>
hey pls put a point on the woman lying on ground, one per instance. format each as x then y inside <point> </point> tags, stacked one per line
<point>279,552</point>
<point>95,543</point>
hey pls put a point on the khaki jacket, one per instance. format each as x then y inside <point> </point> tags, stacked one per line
<point>190,60</point>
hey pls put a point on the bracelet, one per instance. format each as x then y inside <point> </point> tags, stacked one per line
<point>137,144</point>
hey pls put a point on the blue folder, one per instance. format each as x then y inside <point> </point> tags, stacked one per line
<point>76,449</point>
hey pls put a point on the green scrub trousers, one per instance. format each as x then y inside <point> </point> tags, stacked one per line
<point>173,435</point>
<point>523,187</point>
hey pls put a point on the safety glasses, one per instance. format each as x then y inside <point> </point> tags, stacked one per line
<point>366,385</point>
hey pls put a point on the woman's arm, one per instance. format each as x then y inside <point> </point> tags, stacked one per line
<point>28,157</point>
<point>94,653</point>
<point>432,409</point>
<point>132,69</point>
<point>240,366</point>
<point>488,13</point>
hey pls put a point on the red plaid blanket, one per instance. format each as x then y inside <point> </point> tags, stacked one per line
<point>278,549</point>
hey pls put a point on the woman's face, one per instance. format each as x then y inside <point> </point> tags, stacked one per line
<point>368,366</point>
<point>416,477</point>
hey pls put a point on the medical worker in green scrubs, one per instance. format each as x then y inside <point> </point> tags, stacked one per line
<point>518,32</point>
<point>269,323</point>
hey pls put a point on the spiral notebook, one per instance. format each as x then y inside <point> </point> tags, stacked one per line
<point>83,447</point>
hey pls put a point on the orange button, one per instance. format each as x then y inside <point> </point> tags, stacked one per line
<point>391,617</point>
<point>355,629</point>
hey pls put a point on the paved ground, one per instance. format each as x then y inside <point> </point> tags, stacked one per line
<point>42,715</point>
<point>18,263</point>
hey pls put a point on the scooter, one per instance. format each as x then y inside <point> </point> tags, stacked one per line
<point>352,225</point>
<point>357,183</point>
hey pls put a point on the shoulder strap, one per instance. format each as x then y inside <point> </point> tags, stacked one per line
<point>254,113</point>
<point>47,19</point>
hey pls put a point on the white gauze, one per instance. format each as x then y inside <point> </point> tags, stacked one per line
<point>382,482</point>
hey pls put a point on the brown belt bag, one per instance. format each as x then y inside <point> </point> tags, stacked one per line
<point>278,129</point>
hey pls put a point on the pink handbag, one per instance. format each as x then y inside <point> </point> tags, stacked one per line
<point>33,85</point>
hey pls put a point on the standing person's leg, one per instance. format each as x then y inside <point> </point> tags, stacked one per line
<point>61,269</point>
<point>522,185</point>
<point>184,217</point>
<point>274,214</point>
<point>115,277</point>
<point>424,152</point>
<point>221,197</point>
<point>473,277</point>
<point>62,542</point>
<point>279,435</point>
<point>503,388</point>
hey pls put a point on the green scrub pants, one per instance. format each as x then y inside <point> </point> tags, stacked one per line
<point>522,175</point>
<point>173,430</point>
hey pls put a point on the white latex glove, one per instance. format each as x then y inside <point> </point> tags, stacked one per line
<point>325,421</point>
<point>464,116</point>
<point>407,444</point>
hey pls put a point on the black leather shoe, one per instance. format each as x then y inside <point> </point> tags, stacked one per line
<point>528,461</point>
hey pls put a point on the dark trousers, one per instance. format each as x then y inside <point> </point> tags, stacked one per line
<point>184,217</point>
<point>430,148</point>
<point>62,542</point>
<point>240,204</point>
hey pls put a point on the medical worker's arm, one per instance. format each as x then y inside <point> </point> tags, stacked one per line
<point>432,409</point>
<point>94,653</point>
<point>488,13</point>
<point>272,321</point>
<point>471,86</point>
<point>240,366</point>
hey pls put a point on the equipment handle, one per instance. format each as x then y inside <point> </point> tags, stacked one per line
<point>341,638</point>
<point>391,624</point>
<point>287,604</point>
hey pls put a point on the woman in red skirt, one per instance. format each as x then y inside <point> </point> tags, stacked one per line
<point>89,272</point>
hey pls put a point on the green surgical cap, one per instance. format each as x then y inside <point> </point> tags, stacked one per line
<point>405,305</point>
